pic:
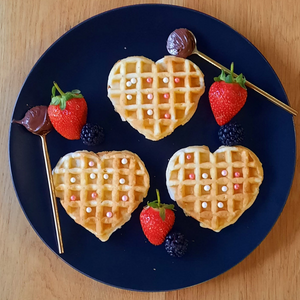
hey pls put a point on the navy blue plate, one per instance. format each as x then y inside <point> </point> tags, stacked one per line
<point>82,59</point>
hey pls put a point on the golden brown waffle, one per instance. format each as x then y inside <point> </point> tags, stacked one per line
<point>100,191</point>
<point>155,98</point>
<point>214,188</point>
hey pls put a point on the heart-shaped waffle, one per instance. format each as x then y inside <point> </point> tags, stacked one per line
<point>100,191</point>
<point>214,188</point>
<point>155,98</point>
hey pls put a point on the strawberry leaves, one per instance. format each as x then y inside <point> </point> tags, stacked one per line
<point>62,99</point>
<point>240,79</point>
<point>160,206</point>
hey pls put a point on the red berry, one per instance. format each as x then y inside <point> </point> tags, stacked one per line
<point>68,113</point>
<point>227,98</point>
<point>157,220</point>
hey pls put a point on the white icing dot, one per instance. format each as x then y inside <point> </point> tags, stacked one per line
<point>165,79</point>
<point>91,163</point>
<point>150,96</point>
<point>204,204</point>
<point>93,176</point>
<point>224,173</point>
<point>224,188</point>
<point>128,83</point>
<point>88,210</point>
<point>122,180</point>
<point>149,112</point>
<point>105,176</point>
<point>129,97</point>
<point>124,198</point>
<point>220,204</point>
<point>124,161</point>
<point>73,179</point>
<point>204,175</point>
<point>206,188</point>
<point>109,214</point>
<point>133,80</point>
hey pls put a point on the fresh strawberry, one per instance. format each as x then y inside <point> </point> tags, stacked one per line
<point>227,95</point>
<point>157,220</point>
<point>67,112</point>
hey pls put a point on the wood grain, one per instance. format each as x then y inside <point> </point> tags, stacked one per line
<point>29,270</point>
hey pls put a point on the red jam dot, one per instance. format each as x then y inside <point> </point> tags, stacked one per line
<point>167,96</point>
<point>192,176</point>
<point>94,195</point>
<point>73,198</point>
<point>237,174</point>
<point>167,116</point>
<point>149,79</point>
<point>188,156</point>
<point>236,186</point>
<point>177,80</point>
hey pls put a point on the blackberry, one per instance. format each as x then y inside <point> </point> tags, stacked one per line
<point>176,244</point>
<point>92,134</point>
<point>231,134</point>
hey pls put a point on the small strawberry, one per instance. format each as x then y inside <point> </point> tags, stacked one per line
<point>157,220</point>
<point>227,95</point>
<point>67,112</point>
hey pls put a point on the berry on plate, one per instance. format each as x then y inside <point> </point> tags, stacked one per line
<point>231,134</point>
<point>157,219</point>
<point>176,244</point>
<point>92,134</point>
<point>67,112</point>
<point>227,95</point>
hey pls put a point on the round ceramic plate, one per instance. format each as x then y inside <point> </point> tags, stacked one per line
<point>82,59</point>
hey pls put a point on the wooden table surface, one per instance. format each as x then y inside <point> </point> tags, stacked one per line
<point>29,270</point>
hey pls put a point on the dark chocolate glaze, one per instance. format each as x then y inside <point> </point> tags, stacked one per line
<point>181,43</point>
<point>36,120</point>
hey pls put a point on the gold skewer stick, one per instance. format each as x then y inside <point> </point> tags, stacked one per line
<point>52,195</point>
<point>248,84</point>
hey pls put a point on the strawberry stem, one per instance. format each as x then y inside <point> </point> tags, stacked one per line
<point>240,79</point>
<point>158,197</point>
<point>231,68</point>
<point>58,88</point>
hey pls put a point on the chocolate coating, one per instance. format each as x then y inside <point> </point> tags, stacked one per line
<point>36,120</point>
<point>181,43</point>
